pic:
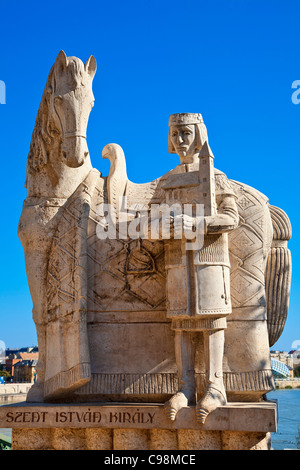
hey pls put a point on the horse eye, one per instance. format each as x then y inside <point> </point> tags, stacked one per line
<point>58,98</point>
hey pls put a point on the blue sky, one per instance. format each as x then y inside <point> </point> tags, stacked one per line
<point>234,61</point>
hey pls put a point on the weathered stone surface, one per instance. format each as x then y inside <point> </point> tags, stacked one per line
<point>190,439</point>
<point>260,417</point>
<point>99,439</point>
<point>32,439</point>
<point>164,292</point>
<point>137,439</point>
<point>68,439</point>
<point>245,441</point>
<point>163,439</point>
<point>131,439</point>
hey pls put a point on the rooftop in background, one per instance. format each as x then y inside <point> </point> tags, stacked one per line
<point>31,349</point>
<point>27,362</point>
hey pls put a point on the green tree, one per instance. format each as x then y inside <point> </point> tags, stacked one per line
<point>5,374</point>
<point>297,371</point>
<point>4,446</point>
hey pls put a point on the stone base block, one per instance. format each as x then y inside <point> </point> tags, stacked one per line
<point>236,426</point>
<point>137,439</point>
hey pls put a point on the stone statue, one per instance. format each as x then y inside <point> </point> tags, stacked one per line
<point>204,273</point>
<point>124,313</point>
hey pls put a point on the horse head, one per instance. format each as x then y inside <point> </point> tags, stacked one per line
<point>70,104</point>
<point>60,129</point>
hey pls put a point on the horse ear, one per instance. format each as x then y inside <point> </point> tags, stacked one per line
<point>91,66</point>
<point>61,61</point>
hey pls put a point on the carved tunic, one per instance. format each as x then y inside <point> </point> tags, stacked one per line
<point>198,281</point>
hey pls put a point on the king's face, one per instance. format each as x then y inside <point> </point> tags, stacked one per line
<point>183,140</point>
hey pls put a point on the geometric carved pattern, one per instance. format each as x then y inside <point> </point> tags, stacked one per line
<point>124,274</point>
<point>66,294</point>
<point>248,245</point>
<point>245,202</point>
<point>243,241</point>
<point>240,283</point>
<point>63,264</point>
<point>132,278</point>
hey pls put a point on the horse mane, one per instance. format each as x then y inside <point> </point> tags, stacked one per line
<point>75,71</point>
<point>43,134</point>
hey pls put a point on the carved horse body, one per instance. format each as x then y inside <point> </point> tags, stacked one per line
<point>58,162</point>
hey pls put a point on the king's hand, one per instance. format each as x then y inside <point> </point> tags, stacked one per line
<point>219,223</point>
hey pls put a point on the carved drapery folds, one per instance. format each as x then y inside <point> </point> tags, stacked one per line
<point>67,354</point>
<point>278,274</point>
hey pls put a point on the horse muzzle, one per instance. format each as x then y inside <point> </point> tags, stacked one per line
<point>74,150</point>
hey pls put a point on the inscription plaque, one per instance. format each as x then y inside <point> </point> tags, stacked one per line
<point>234,416</point>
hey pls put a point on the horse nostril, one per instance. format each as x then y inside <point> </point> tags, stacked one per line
<point>64,153</point>
<point>86,154</point>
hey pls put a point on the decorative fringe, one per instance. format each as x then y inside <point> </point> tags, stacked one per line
<point>139,384</point>
<point>131,384</point>
<point>250,381</point>
<point>214,251</point>
<point>68,380</point>
<point>199,324</point>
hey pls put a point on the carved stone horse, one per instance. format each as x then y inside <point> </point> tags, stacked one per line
<point>58,162</point>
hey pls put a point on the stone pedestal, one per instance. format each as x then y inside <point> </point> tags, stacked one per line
<point>236,426</point>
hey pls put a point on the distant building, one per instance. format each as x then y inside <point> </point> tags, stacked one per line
<point>284,357</point>
<point>25,359</point>
<point>25,371</point>
<point>295,353</point>
<point>2,352</point>
<point>31,349</point>
<point>287,358</point>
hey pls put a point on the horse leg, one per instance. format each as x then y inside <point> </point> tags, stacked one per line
<point>35,231</point>
<point>36,272</point>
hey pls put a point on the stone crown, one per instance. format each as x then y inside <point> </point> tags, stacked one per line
<point>185,119</point>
